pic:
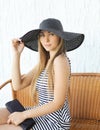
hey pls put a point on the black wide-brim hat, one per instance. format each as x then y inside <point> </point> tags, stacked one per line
<point>71,40</point>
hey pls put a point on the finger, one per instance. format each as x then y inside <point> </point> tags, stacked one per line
<point>20,40</point>
<point>9,116</point>
<point>9,121</point>
<point>16,40</point>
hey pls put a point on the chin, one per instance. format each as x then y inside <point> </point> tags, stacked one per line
<point>47,49</point>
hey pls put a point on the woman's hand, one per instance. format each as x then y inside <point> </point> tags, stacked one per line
<point>17,46</point>
<point>16,118</point>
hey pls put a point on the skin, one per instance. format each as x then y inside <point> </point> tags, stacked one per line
<point>61,69</point>
<point>49,41</point>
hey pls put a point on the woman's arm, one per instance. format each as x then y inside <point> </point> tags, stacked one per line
<point>19,81</point>
<point>61,82</point>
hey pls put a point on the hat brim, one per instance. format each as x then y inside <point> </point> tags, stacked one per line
<point>71,40</point>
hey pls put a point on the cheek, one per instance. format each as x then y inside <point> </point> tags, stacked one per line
<point>55,43</point>
<point>57,40</point>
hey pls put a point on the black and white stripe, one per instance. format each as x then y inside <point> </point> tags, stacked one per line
<point>58,120</point>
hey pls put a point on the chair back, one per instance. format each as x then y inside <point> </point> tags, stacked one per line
<point>85,95</point>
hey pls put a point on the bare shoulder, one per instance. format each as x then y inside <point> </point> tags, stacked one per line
<point>61,67</point>
<point>61,62</point>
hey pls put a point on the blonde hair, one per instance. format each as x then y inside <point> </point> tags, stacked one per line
<point>43,58</point>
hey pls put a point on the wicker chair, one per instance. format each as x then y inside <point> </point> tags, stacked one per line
<point>84,100</point>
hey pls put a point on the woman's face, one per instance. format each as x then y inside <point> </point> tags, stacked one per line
<point>49,40</point>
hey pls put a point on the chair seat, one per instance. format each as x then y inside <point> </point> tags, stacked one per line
<point>84,124</point>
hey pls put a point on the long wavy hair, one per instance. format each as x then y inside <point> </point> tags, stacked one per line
<point>43,60</point>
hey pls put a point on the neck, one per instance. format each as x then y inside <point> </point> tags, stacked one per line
<point>51,55</point>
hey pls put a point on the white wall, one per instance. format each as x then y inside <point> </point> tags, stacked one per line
<point>19,16</point>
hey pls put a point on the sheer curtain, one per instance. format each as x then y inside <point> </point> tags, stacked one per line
<point>19,16</point>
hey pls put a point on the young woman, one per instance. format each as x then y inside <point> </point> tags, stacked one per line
<point>49,79</point>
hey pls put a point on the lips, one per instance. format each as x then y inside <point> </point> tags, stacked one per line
<point>47,45</point>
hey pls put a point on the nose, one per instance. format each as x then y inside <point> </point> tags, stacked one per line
<point>47,39</point>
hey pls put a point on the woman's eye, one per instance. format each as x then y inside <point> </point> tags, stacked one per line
<point>41,35</point>
<point>52,34</point>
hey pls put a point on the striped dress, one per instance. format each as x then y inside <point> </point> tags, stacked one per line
<point>58,120</point>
